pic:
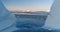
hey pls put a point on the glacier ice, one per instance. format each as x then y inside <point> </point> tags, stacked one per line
<point>7,19</point>
<point>53,20</point>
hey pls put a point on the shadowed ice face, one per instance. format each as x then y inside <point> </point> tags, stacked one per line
<point>6,18</point>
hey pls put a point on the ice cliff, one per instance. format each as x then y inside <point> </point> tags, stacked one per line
<point>53,20</point>
<point>6,19</point>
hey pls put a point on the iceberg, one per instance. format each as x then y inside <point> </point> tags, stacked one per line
<point>7,20</point>
<point>53,20</point>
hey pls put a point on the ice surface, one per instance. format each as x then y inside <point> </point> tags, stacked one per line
<point>31,24</point>
<point>6,19</point>
<point>53,20</point>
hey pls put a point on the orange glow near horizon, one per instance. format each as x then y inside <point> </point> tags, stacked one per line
<point>29,10</point>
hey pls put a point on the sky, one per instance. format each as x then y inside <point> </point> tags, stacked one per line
<point>28,5</point>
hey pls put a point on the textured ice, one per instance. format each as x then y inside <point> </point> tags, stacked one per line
<point>53,20</point>
<point>31,24</point>
<point>7,19</point>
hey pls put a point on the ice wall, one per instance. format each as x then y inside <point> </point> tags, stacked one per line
<point>6,18</point>
<point>53,20</point>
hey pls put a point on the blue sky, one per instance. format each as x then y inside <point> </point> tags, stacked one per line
<point>28,4</point>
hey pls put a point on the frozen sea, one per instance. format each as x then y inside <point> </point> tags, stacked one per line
<point>31,23</point>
